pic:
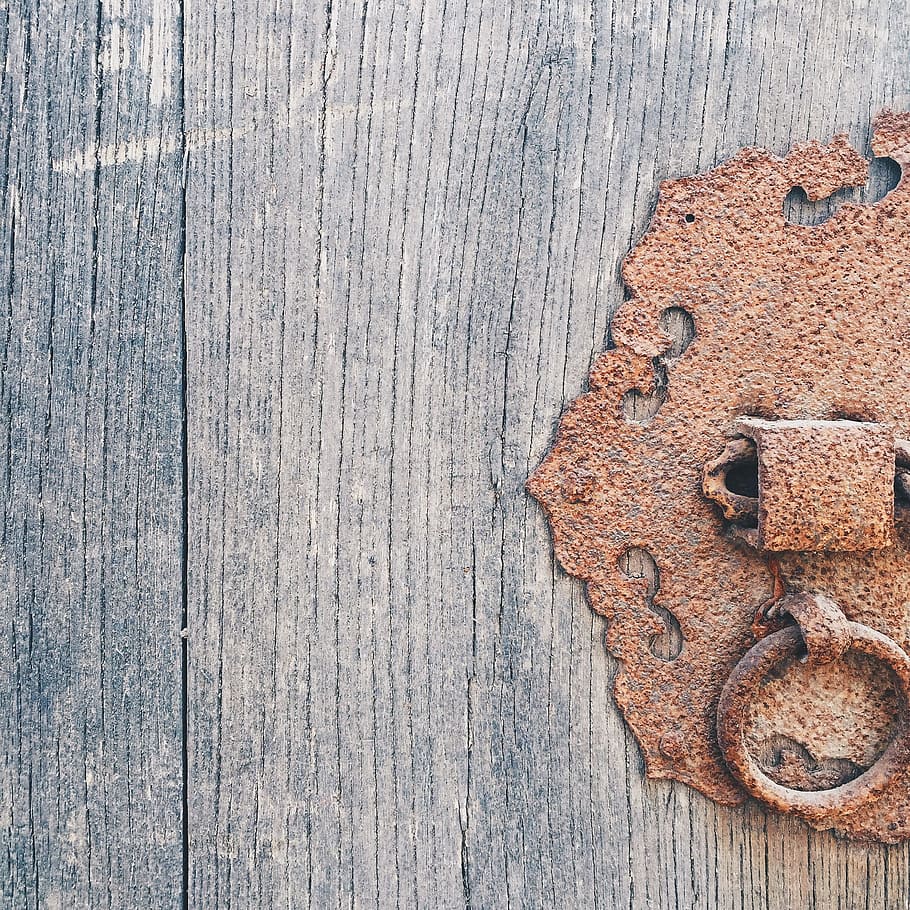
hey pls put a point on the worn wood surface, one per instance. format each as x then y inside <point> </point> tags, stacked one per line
<point>392,233</point>
<point>91,510</point>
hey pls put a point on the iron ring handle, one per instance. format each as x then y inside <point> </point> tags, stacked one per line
<point>817,805</point>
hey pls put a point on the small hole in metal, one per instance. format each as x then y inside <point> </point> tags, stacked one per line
<point>902,488</point>
<point>640,408</point>
<point>637,562</point>
<point>680,326</point>
<point>884,175</point>
<point>742,479</point>
<point>689,218</point>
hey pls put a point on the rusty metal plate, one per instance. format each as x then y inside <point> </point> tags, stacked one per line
<point>736,313</point>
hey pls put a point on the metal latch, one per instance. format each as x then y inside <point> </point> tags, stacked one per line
<point>822,484</point>
<point>735,480</point>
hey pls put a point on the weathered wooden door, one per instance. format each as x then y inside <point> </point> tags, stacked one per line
<point>293,294</point>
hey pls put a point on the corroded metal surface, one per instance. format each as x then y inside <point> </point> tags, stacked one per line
<point>791,323</point>
<point>858,794</point>
<point>825,484</point>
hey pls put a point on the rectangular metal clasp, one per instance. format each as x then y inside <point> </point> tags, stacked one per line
<point>823,484</point>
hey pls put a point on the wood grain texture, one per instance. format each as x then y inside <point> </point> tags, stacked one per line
<point>402,259</point>
<point>397,247</point>
<point>92,478</point>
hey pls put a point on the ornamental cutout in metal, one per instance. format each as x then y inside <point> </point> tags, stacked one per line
<point>743,440</point>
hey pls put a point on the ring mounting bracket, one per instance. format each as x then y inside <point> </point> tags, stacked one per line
<point>823,484</point>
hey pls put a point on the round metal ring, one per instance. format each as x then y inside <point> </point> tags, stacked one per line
<point>811,804</point>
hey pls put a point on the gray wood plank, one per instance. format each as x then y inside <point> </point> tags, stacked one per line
<point>405,223</point>
<point>91,512</point>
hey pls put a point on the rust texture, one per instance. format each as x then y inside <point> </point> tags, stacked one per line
<point>791,323</point>
<point>854,796</point>
<point>825,485</point>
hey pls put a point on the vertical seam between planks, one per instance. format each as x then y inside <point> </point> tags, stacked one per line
<point>93,309</point>
<point>185,462</point>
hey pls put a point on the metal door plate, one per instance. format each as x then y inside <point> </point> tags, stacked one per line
<point>791,323</point>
